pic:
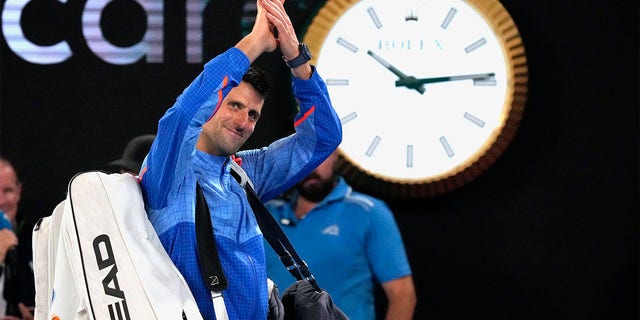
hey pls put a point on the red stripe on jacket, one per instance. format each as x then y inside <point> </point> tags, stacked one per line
<point>225,81</point>
<point>304,116</point>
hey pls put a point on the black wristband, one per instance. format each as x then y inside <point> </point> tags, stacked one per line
<point>303,57</point>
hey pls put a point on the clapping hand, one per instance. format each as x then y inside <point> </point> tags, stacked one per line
<point>8,240</point>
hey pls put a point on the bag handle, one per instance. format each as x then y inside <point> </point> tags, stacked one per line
<point>210,266</point>
<point>272,232</point>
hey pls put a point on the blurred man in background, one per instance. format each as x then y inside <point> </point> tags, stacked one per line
<point>349,240</point>
<point>17,289</point>
<point>133,155</point>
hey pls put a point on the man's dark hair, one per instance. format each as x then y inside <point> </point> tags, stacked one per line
<point>258,79</point>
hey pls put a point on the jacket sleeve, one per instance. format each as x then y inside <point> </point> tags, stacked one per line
<point>318,133</point>
<point>174,147</point>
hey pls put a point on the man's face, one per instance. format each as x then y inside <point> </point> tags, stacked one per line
<point>319,183</point>
<point>233,123</point>
<point>10,191</point>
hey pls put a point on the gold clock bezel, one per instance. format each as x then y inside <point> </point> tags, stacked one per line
<point>510,40</point>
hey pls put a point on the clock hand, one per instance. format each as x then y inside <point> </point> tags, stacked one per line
<point>407,81</point>
<point>414,82</point>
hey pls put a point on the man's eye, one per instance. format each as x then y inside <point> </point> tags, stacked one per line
<point>234,105</point>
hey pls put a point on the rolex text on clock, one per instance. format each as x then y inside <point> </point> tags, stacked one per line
<point>429,92</point>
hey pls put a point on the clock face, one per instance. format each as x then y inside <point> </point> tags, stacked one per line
<point>423,88</point>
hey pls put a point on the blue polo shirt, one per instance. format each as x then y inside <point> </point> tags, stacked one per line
<point>348,240</point>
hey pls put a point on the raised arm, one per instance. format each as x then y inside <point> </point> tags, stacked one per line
<point>180,127</point>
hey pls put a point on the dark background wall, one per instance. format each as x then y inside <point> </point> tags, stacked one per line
<point>550,231</point>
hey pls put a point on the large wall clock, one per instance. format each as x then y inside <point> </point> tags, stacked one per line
<point>429,92</point>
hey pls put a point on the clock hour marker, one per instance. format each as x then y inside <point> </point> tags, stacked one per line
<point>475,45</point>
<point>474,119</point>
<point>490,82</point>
<point>374,17</point>
<point>337,82</point>
<point>411,17</point>
<point>373,146</point>
<point>341,41</point>
<point>348,117</point>
<point>448,18</point>
<point>446,146</point>
<point>409,156</point>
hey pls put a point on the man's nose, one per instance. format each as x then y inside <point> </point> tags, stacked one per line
<point>241,119</point>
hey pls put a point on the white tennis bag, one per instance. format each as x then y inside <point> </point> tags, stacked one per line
<point>98,257</point>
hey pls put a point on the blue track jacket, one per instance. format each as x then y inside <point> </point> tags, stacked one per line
<point>168,179</point>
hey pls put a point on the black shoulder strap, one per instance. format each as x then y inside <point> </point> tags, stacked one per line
<point>210,267</point>
<point>272,232</point>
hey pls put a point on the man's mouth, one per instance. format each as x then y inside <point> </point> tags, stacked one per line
<point>235,132</point>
